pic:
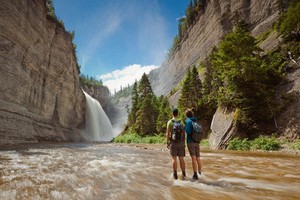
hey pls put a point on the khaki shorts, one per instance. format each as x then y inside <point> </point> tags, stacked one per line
<point>194,149</point>
<point>177,149</point>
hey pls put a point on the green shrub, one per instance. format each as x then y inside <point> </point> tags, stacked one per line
<point>296,145</point>
<point>266,143</point>
<point>237,144</point>
<point>204,143</point>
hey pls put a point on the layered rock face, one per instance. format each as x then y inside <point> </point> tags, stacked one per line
<point>40,95</point>
<point>208,31</point>
<point>223,128</point>
<point>289,120</point>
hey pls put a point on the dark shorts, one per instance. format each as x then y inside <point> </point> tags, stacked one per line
<point>177,149</point>
<point>194,149</point>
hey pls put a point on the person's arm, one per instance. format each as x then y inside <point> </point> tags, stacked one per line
<point>168,134</point>
<point>183,132</point>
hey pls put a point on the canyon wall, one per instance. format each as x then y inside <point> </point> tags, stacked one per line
<point>214,22</point>
<point>40,95</point>
<point>208,31</point>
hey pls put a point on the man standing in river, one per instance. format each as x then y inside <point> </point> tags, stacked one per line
<point>175,142</point>
<point>193,146</point>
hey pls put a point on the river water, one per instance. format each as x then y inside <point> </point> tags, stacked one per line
<point>113,171</point>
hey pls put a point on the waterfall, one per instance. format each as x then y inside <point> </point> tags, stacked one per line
<point>97,124</point>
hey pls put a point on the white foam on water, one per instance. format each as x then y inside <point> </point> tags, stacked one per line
<point>292,176</point>
<point>256,184</point>
<point>10,194</point>
<point>242,172</point>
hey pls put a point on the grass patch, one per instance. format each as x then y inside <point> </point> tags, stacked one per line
<point>260,143</point>
<point>137,139</point>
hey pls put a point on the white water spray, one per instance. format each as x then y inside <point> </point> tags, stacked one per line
<point>97,124</point>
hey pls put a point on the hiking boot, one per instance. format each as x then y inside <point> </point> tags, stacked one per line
<point>195,176</point>
<point>175,176</point>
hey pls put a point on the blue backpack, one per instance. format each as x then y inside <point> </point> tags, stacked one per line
<point>177,130</point>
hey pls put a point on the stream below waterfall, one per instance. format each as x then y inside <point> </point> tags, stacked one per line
<point>116,171</point>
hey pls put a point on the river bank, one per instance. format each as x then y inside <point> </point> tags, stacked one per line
<point>284,148</point>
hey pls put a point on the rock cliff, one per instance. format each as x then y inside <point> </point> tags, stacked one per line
<point>40,95</point>
<point>207,32</point>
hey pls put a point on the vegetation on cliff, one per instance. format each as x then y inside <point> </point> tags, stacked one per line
<point>192,14</point>
<point>244,79</point>
<point>51,13</point>
<point>89,81</point>
<point>290,23</point>
<point>52,16</point>
<point>237,76</point>
<point>289,27</point>
<point>124,92</point>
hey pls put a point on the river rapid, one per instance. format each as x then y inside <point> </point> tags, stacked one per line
<point>115,171</point>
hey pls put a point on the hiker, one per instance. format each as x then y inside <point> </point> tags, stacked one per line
<point>175,142</point>
<point>193,146</point>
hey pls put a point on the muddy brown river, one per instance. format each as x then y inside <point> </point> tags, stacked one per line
<point>113,171</point>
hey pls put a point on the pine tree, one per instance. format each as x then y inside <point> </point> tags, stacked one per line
<point>145,122</point>
<point>208,102</point>
<point>165,114</point>
<point>134,105</point>
<point>241,70</point>
<point>147,113</point>
<point>184,101</point>
<point>191,91</point>
<point>196,89</point>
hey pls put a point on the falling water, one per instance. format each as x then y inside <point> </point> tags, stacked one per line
<point>98,126</point>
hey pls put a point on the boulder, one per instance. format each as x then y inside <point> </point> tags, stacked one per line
<point>223,128</point>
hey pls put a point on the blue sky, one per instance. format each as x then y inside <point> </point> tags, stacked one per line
<point>118,40</point>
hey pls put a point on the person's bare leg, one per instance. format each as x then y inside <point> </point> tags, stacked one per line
<point>199,165</point>
<point>175,167</point>
<point>182,166</point>
<point>194,163</point>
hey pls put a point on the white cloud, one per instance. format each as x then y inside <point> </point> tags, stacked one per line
<point>123,77</point>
